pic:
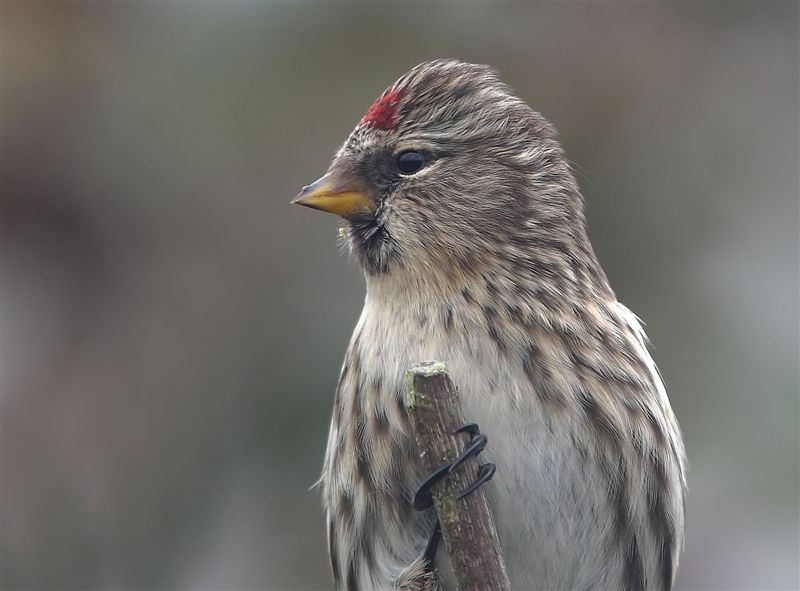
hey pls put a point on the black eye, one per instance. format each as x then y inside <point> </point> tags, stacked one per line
<point>410,161</point>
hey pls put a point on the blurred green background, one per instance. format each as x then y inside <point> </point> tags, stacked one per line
<point>172,330</point>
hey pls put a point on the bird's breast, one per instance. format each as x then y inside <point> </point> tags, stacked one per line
<point>562,487</point>
<point>495,393</point>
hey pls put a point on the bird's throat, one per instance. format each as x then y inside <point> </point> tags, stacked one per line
<point>372,244</point>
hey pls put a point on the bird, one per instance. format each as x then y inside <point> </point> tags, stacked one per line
<point>460,206</point>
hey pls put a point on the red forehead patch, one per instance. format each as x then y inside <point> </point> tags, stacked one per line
<point>382,114</point>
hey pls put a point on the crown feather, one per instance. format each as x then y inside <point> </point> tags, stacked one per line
<point>382,114</point>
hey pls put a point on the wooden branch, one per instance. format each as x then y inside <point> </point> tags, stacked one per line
<point>467,525</point>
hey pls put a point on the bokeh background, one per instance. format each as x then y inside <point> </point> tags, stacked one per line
<point>172,330</point>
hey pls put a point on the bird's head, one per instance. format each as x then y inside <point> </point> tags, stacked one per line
<point>446,172</point>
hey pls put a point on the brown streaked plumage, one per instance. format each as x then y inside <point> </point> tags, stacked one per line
<point>462,210</point>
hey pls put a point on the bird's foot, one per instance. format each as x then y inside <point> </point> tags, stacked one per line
<point>429,554</point>
<point>485,474</point>
<point>477,443</point>
<point>423,499</point>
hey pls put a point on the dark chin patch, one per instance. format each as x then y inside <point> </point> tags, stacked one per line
<point>372,244</point>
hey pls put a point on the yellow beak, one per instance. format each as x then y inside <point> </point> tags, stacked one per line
<point>333,194</point>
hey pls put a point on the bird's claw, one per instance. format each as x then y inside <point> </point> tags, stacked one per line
<point>471,428</point>
<point>477,443</point>
<point>485,474</point>
<point>423,499</point>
